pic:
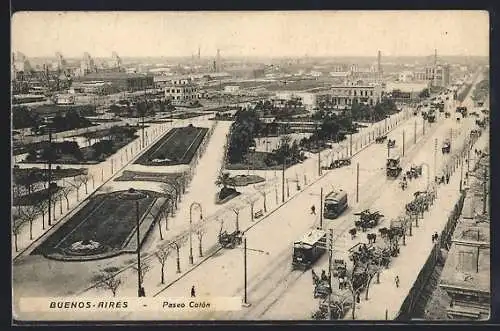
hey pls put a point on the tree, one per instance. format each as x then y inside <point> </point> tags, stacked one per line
<point>224,180</point>
<point>200,231</point>
<point>29,213</point>
<point>65,192</point>
<point>373,268</point>
<point>84,178</point>
<point>424,94</point>
<point>42,206</point>
<point>76,183</point>
<point>145,268</point>
<point>251,201</point>
<point>162,255</point>
<point>355,287</point>
<point>108,279</point>
<point>17,224</point>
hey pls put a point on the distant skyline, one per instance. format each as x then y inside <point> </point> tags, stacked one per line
<point>252,34</point>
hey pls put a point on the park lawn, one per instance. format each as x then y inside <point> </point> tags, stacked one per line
<point>256,161</point>
<point>106,218</point>
<point>244,180</point>
<point>178,146</point>
<point>128,175</point>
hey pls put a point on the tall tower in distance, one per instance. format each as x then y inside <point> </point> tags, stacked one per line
<point>435,57</point>
<point>217,61</point>
<point>379,65</point>
<point>199,53</point>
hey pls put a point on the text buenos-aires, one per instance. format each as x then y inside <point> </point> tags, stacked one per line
<point>88,304</point>
<point>191,304</point>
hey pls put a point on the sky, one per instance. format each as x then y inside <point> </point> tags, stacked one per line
<point>267,34</point>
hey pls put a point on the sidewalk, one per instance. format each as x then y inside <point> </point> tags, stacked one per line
<point>386,297</point>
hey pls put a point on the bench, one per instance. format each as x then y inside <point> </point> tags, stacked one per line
<point>258,214</point>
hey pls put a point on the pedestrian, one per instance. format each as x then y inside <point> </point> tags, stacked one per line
<point>436,236</point>
<point>447,178</point>
<point>358,300</point>
<point>313,210</point>
<point>433,237</point>
<point>193,293</point>
<point>396,280</point>
<point>341,281</point>
<point>442,179</point>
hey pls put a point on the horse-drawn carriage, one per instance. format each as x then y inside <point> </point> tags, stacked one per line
<point>367,219</point>
<point>339,268</point>
<point>322,285</point>
<point>230,240</point>
<point>393,167</point>
<point>446,147</point>
<point>340,163</point>
<point>391,143</point>
<point>414,172</point>
<point>420,203</point>
<point>380,139</point>
<point>481,123</point>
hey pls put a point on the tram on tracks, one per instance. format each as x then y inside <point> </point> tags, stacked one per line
<point>335,203</point>
<point>308,249</point>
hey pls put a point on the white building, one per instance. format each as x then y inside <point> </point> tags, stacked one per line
<point>181,90</point>
<point>308,99</point>
<point>231,88</point>
<point>345,95</point>
<point>406,76</point>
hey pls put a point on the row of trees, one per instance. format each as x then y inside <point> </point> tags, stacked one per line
<point>27,213</point>
<point>140,108</point>
<point>23,117</point>
<point>481,90</point>
<point>109,279</point>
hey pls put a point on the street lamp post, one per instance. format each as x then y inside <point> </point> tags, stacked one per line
<point>321,209</point>
<point>135,195</point>
<point>194,204</point>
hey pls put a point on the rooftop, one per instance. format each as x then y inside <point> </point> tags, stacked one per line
<point>405,87</point>
<point>312,237</point>
<point>103,76</point>
<point>335,195</point>
<point>460,269</point>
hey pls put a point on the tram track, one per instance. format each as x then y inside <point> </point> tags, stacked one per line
<point>279,287</point>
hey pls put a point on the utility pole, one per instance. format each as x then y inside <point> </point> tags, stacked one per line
<point>350,149</point>
<point>319,161</point>
<point>461,175</point>
<point>415,133</point>
<point>330,257</point>
<point>435,155</point>
<point>283,181</point>
<point>245,302</point>
<point>321,209</point>
<point>49,175</point>
<point>485,191</point>
<point>423,127</point>
<point>403,142</point>
<point>357,182</point>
